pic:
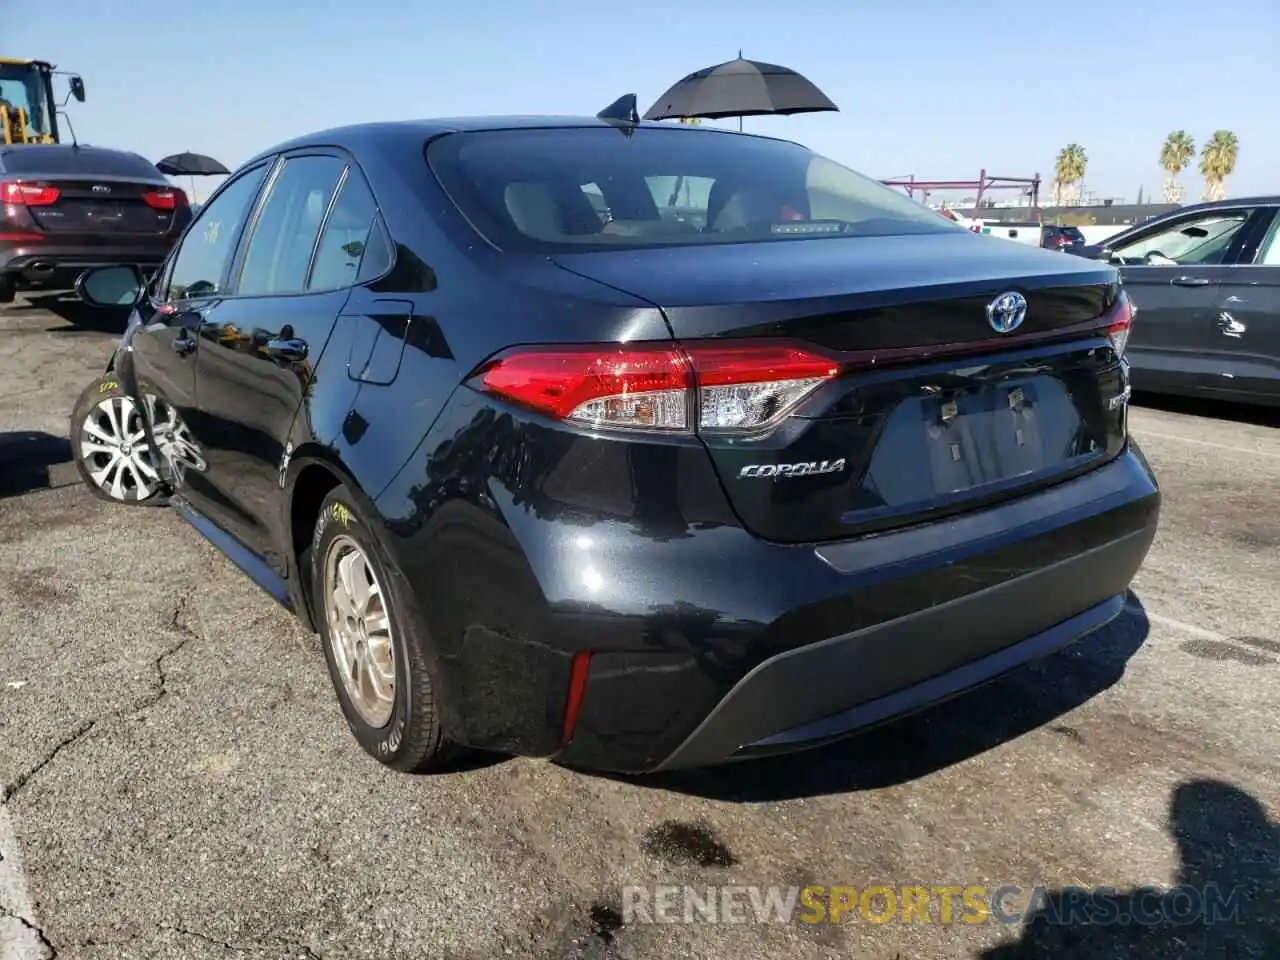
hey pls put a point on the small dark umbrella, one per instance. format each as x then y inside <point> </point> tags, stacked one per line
<point>191,165</point>
<point>740,88</point>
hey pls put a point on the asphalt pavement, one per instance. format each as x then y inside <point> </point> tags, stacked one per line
<point>177,780</point>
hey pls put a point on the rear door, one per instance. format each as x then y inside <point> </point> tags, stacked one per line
<point>1174,271</point>
<point>260,349</point>
<point>1244,332</point>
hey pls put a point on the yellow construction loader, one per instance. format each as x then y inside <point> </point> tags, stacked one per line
<point>28,110</point>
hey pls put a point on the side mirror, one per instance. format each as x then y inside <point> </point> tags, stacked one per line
<point>116,286</point>
<point>77,89</point>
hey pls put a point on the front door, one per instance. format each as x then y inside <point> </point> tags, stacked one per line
<point>163,369</point>
<point>1174,272</point>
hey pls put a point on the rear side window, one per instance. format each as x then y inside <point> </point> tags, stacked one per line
<point>279,251</point>
<point>55,161</point>
<point>378,253</point>
<point>543,190</point>
<point>345,237</point>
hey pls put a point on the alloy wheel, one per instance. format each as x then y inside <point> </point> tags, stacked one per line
<point>360,631</point>
<point>114,450</point>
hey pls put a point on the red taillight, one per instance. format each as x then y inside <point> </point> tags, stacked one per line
<point>21,236</point>
<point>643,385</point>
<point>578,672</point>
<point>1120,323</point>
<point>711,385</point>
<point>26,194</point>
<point>749,386</point>
<point>165,199</point>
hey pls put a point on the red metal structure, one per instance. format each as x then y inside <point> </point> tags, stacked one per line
<point>981,185</point>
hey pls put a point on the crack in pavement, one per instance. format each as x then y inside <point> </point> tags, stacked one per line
<point>80,730</point>
<point>177,622</point>
<point>50,952</point>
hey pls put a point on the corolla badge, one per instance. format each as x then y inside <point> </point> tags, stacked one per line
<point>783,470</point>
<point>1006,312</point>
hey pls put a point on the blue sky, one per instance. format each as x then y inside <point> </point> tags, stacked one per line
<point>938,88</point>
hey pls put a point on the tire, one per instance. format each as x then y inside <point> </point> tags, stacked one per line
<point>108,447</point>
<point>400,726</point>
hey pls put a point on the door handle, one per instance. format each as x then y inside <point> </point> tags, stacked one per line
<point>292,350</point>
<point>1189,282</point>
<point>183,345</point>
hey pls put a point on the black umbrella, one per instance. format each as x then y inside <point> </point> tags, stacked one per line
<point>191,165</point>
<point>740,88</point>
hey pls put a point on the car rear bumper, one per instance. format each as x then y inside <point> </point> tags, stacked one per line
<point>1082,544</point>
<point>56,265</point>
<point>714,645</point>
<point>828,690</point>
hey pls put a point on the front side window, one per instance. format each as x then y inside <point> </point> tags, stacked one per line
<point>278,255</point>
<point>1202,240</point>
<point>207,247</point>
<point>543,190</point>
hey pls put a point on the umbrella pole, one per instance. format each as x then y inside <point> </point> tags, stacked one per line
<point>739,124</point>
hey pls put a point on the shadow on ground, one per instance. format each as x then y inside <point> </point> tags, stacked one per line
<point>1225,900</point>
<point>25,459</point>
<point>1029,698</point>
<point>1213,409</point>
<point>74,311</point>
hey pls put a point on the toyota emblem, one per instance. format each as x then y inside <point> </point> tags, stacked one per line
<point>1006,312</point>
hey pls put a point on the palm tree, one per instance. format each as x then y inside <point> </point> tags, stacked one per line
<point>1068,172</point>
<point>1217,160</point>
<point>1176,153</point>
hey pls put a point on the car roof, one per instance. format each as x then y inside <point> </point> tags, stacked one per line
<point>85,156</point>
<point>1206,206</point>
<point>1266,200</point>
<point>365,135</point>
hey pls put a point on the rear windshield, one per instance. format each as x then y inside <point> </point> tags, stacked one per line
<point>599,188</point>
<point>56,161</point>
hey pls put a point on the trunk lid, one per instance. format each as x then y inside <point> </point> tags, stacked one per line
<point>936,412</point>
<point>102,206</point>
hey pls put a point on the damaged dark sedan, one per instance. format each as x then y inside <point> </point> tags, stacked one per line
<point>631,445</point>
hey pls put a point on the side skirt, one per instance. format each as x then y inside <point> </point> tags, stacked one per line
<point>253,566</point>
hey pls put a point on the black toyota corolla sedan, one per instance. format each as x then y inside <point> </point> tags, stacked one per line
<point>753,454</point>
